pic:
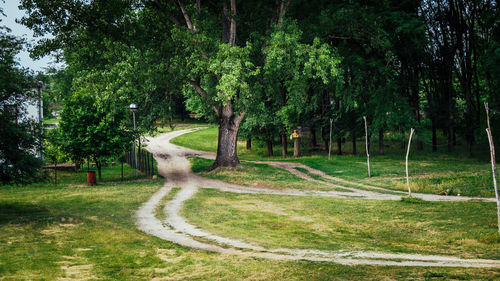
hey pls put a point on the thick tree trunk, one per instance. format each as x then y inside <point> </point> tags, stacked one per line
<point>229,123</point>
<point>381,149</point>
<point>284,145</point>
<point>339,146</point>
<point>269,144</point>
<point>249,143</point>
<point>296,147</point>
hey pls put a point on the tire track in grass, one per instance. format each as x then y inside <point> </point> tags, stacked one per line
<point>174,166</point>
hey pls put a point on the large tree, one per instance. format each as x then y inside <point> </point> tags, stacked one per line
<point>19,136</point>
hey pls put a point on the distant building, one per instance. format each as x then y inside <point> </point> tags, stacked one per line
<point>28,109</point>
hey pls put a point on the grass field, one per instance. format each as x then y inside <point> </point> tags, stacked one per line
<point>439,173</point>
<point>77,233</point>
<point>70,178</point>
<point>467,230</point>
<point>258,175</point>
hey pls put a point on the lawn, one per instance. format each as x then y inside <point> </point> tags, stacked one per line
<point>70,178</point>
<point>438,172</point>
<point>467,230</point>
<point>82,232</point>
<point>51,121</point>
<point>258,175</point>
<point>179,125</point>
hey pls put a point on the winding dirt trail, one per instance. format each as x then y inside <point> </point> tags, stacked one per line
<point>174,166</point>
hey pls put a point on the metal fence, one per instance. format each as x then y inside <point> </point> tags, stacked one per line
<point>145,161</point>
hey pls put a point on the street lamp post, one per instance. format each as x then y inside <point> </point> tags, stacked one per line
<point>133,107</point>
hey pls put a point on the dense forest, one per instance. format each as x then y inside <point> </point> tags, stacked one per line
<point>261,68</point>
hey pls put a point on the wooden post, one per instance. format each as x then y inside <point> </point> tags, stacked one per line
<point>296,147</point>
<point>330,143</point>
<point>493,164</point>
<point>366,142</point>
<point>407,154</point>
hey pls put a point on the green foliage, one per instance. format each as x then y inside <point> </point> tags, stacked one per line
<point>90,129</point>
<point>19,136</point>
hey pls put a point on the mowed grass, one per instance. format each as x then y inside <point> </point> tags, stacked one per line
<point>72,178</point>
<point>257,175</point>
<point>180,125</point>
<point>88,233</point>
<point>438,173</point>
<point>466,230</point>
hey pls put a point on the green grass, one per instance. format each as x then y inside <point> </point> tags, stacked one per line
<point>160,208</point>
<point>102,242</point>
<point>51,121</point>
<point>257,175</point>
<point>180,125</point>
<point>70,178</point>
<point>438,173</point>
<point>466,230</point>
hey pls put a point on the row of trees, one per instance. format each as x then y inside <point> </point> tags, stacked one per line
<point>266,66</point>
<point>19,136</point>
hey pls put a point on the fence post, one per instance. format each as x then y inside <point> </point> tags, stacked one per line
<point>493,164</point>
<point>407,153</point>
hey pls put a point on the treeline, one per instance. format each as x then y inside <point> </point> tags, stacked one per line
<point>424,64</point>
<point>272,65</point>
<point>20,143</point>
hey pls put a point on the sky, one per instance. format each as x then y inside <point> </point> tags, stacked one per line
<point>12,12</point>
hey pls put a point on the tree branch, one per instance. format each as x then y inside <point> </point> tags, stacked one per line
<point>232,28</point>
<point>160,7</point>
<point>203,93</point>
<point>283,9</point>
<point>189,24</point>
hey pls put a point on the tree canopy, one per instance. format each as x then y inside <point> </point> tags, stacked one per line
<point>273,65</point>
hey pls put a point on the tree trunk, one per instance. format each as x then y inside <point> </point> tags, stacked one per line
<point>249,143</point>
<point>313,137</point>
<point>451,132</point>
<point>434,136</point>
<point>284,145</point>
<point>324,132</point>
<point>296,147</point>
<point>339,146</point>
<point>353,141</point>
<point>229,123</point>
<point>381,149</point>
<point>98,164</point>
<point>269,144</point>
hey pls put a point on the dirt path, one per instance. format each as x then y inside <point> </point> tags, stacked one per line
<point>173,164</point>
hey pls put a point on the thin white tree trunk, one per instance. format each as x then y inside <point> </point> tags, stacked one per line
<point>493,164</point>
<point>366,142</point>
<point>407,154</point>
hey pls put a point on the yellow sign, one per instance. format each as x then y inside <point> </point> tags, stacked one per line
<point>295,134</point>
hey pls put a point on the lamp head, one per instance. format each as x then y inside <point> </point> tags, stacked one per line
<point>133,107</point>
